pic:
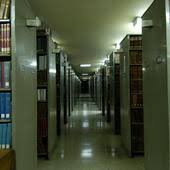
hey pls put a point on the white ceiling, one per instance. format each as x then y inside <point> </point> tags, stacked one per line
<point>87,29</point>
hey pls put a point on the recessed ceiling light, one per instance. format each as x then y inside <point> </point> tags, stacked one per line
<point>85,65</point>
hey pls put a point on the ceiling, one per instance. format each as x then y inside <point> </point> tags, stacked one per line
<point>87,29</point>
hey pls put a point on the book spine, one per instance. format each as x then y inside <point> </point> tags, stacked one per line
<point>1,83</point>
<point>8,38</point>
<point>7,74</point>
<point>6,10</point>
<point>3,136</point>
<point>8,106</point>
<point>1,132</point>
<point>2,74</point>
<point>2,9</point>
<point>2,105</point>
<point>5,38</point>
<point>1,37</point>
<point>9,136</point>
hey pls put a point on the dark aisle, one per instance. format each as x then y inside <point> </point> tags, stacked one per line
<point>89,144</point>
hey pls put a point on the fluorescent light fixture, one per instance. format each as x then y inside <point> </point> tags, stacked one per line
<point>117,46</point>
<point>85,74</point>
<point>85,65</point>
<point>52,71</point>
<point>137,25</point>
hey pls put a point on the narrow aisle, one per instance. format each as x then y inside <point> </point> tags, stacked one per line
<point>89,144</point>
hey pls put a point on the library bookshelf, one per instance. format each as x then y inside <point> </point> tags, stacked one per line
<point>42,93</point>
<point>117,119</point>
<point>5,76</point>
<point>132,95</point>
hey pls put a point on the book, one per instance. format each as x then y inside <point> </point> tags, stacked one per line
<point>5,135</point>
<point>4,128</point>
<point>9,136</point>
<point>42,62</point>
<point>5,74</point>
<point>1,131</point>
<point>5,103</point>
<point>8,39</point>
<point>6,13</point>
<point>5,38</point>
<point>42,94</point>
<point>2,8</point>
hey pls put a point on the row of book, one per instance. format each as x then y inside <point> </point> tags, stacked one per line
<point>136,57</point>
<point>5,106</point>
<point>42,146</point>
<point>5,135</point>
<point>136,41</point>
<point>138,138</point>
<point>137,115</point>
<point>42,44</point>
<point>42,109</point>
<point>5,38</point>
<point>117,99</point>
<point>136,100</point>
<point>5,74</point>
<point>42,77</point>
<point>136,72</point>
<point>42,62</point>
<point>136,86</point>
<point>4,9</point>
<point>42,127</point>
<point>42,94</point>
<point>117,69</point>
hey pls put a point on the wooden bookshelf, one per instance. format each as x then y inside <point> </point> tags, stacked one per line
<point>132,94</point>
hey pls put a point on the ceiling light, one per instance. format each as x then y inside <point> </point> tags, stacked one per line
<point>85,74</point>
<point>85,65</point>
<point>137,25</point>
<point>52,71</point>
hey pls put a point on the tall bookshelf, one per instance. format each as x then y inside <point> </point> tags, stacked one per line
<point>60,91</point>
<point>42,93</point>
<point>117,121</point>
<point>132,95</point>
<point>5,76</point>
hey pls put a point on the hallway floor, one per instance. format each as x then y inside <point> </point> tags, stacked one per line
<point>89,144</point>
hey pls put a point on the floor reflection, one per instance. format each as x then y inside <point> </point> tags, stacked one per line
<point>89,144</point>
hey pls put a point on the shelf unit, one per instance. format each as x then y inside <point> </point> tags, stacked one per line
<point>117,120</point>
<point>5,81</point>
<point>132,95</point>
<point>60,92</point>
<point>42,89</point>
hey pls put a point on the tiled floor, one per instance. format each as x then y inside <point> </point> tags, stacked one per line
<point>89,144</point>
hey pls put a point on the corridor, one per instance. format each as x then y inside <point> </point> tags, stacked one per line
<point>89,144</point>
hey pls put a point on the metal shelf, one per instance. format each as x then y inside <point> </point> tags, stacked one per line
<point>136,107</point>
<point>137,48</point>
<point>5,90</point>
<point>42,101</point>
<point>5,20</point>
<point>5,121</point>
<point>135,64</point>
<point>137,123</point>
<point>42,86</point>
